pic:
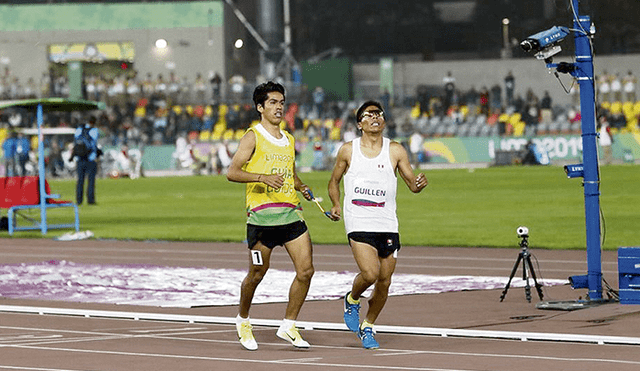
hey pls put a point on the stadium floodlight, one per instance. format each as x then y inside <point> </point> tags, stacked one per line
<point>161,43</point>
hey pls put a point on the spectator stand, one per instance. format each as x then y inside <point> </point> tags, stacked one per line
<point>47,200</point>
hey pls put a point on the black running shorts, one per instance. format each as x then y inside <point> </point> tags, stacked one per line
<point>385,243</point>
<point>272,236</point>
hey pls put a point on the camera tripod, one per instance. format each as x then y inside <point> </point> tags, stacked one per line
<point>525,258</point>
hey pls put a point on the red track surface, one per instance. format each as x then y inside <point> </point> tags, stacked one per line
<point>63,342</point>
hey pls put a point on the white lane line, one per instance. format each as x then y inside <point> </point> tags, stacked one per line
<point>517,356</point>
<point>40,329</point>
<point>313,361</point>
<point>67,340</point>
<point>27,338</point>
<point>168,330</point>
<point>302,361</point>
<point>433,331</point>
<point>241,360</point>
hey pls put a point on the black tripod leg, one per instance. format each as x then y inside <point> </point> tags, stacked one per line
<point>513,272</point>
<point>525,278</point>
<point>535,279</point>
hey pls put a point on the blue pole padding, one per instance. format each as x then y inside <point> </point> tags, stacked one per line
<point>579,282</point>
<point>584,74</point>
<point>41,174</point>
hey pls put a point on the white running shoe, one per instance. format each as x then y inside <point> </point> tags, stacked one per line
<point>245,335</point>
<point>293,336</point>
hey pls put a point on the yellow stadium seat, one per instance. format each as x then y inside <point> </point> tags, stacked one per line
<point>518,128</point>
<point>177,110</point>
<point>222,110</point>
<point>335,134</point>
<point>140,112</point>
<point>228,134</point>
<point>189,110</point>
<point>415,111</point>
<point>464,110</point>
<point>216,136</point>
<point>208,111</point>
<point>239,134</point>
<point>219,127</point>
<point>616,107</point>
<point>515,118</point>
<point>205,135</point>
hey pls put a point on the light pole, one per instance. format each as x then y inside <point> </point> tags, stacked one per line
<point>506,48</point>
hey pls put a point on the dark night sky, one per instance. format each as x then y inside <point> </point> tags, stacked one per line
<point>435,29</point>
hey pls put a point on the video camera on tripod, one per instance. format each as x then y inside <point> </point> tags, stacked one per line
<point>522,231</point>
<point>525,257</point>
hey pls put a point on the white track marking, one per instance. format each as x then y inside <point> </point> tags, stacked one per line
<point>433,331</point>
<point>310,361</point>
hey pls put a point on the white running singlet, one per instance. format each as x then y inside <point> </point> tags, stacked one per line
<point>370,186</point>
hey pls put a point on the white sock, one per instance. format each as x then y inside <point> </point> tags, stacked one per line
<point>239,319</point>
<point>287,324</point>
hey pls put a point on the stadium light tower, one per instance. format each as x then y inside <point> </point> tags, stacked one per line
<point>271,28</point>
<point>506,48</point>
<point>288,62</point>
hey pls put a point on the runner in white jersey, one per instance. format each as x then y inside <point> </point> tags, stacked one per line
<point>370,192</point>
<point>369,165</point>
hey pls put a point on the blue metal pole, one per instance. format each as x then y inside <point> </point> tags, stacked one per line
<point>584,74</point>
<point>41,174</point>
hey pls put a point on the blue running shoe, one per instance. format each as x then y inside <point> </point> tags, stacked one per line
<point>367,335</point>
<point>351,314</point>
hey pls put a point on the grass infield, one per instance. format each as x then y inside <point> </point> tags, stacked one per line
<point>481,207</point>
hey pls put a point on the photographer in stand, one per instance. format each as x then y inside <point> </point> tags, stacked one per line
<point>534,154</point>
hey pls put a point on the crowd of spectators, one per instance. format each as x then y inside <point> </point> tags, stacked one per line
<point>156,110</point>
<point>486,112</point>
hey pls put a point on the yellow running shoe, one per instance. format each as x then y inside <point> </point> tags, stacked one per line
<point>245,335</point>
<point>293,336</point>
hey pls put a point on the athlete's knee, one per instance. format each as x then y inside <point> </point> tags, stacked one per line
<point>370,275</point>
<point>255,276</point>
<point>383,285</point>
<point>305,274</point>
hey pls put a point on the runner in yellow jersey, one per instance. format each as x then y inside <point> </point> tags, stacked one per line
<point>265,161</point>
